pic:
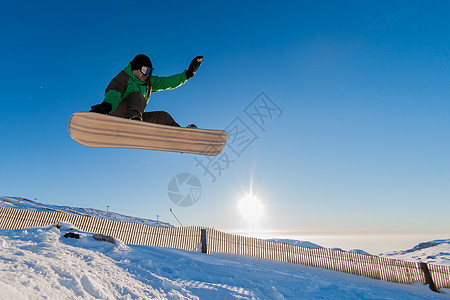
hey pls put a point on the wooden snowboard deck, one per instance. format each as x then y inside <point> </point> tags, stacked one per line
<point>102,131</point>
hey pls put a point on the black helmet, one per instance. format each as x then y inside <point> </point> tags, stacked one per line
<point>140,60</point>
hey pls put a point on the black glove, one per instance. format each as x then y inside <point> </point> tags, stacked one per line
<point>102,108</point>
<point>193,67</point>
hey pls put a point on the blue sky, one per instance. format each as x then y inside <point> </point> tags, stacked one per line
<point>361,148</point>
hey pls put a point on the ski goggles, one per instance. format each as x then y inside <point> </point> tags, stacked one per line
<point>146,70</point>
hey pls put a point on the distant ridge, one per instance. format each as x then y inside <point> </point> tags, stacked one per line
<point>436,252</point>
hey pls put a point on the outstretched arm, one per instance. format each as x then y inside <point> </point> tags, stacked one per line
<point>168,83</point>
<point>174,81</point>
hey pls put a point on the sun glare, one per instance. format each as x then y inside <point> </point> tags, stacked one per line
<point>251,208</point>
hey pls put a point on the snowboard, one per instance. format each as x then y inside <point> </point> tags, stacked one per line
<point>103,131</point>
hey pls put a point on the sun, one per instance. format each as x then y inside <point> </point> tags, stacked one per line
<point>251,208</point>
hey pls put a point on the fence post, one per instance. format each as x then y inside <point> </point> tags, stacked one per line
<point>428,278</point>
<point>204,240</point>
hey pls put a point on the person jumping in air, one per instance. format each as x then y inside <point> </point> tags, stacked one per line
<point>128,93</point>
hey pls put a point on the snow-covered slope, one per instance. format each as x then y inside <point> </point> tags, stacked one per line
<point>40,263</point>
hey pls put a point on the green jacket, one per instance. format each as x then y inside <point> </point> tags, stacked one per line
<point>125,83</point>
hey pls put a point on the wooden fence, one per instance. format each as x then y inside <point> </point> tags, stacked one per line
<point>213,241</point>
<point>342,261</point>
<point>186,238</point>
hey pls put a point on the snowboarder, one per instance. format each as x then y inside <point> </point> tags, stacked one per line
<point>128,93</point>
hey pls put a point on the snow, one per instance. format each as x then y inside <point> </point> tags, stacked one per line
<point>37,263</point>
<point>42,263</point>
<point>436,252</point>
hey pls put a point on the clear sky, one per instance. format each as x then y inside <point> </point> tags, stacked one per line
<point>357,143</point>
